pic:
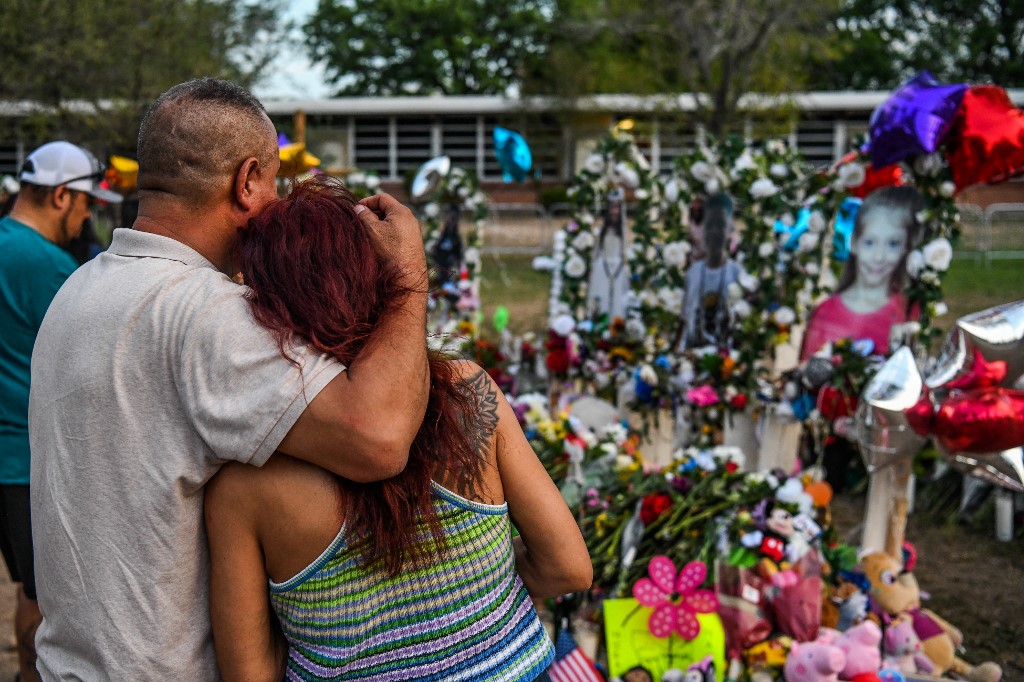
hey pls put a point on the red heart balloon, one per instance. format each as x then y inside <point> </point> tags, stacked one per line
<point>986,143</point>
<point>874,178</point>
<point>981,421</point>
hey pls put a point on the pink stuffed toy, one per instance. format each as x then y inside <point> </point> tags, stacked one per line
<point>903,649</point>
<point>860,645</point>
<point>814,662</point>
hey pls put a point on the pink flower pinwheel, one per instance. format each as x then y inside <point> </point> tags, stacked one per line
<point>702,395</point>
<point>675,597</point>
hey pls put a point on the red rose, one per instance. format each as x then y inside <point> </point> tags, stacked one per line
<point>653,506</point>
<point>833,403</point>
<point>731,467</point>
<point>739,401</point>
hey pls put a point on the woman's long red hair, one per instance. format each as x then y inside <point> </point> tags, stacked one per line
<point>315,278</point>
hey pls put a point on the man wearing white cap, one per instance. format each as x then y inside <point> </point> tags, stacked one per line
<point>59,184</point>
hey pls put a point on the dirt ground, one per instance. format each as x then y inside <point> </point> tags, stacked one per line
<point>975,581</point>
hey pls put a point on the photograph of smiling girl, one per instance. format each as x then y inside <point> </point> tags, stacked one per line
<point>869,299</point>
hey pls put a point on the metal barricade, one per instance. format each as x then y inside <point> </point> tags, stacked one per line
<point>1004,228</point>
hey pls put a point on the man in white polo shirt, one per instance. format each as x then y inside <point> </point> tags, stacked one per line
<point>150,372</point>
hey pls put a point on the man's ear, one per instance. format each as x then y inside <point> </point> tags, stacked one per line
<point>245,187</point>
<point>61,197</point>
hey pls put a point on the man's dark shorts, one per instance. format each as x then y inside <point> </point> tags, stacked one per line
<point>16,536</point>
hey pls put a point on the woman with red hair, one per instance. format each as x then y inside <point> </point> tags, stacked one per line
<point>417,577</point>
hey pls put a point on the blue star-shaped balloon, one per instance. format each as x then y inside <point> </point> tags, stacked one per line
<point>513,154</point>
<point>914,119</point>
<point>793,231</point>
<point>842,240</point>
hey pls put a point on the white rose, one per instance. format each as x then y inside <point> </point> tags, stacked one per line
<point>648,375</point>
<point>928,164</point>
<point>748,281</point>
<point>811,269</point>
<point>583,241</point>
<point>939,309</point>
<point>938,253</point>
<point>807,241</point>
<point>712,186</point>
<point>635,329</point>
<point>763,188</point>
<point>675,254</point>
<point>431,210</point>
<point>930,277</point>
<point>357,179</point>
<point>744,163</point>
<point>463,192</point>
<point>852,175</point>
<point>624,173</point>
<point>563,325</point>
<point>915,263</point>
<point>649,298</point>
<point>641,194</point>
<point>784,315</point>
<point>947,189</point>
<point>472,256</point>
<point>735,291</point>
<point>702,171</point>
<point>778,170</point>
<point>741,309</point>
<point>575,267</point>
<point>816,222</point>
<point>470,204</point>
<point>671,299</point>
<point>672,191</point>
<point>775,146</point>
<point>594,164</point>
<point>765,249</point>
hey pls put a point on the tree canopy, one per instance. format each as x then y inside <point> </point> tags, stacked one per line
<point>882,42</point>
<point>116,56</point>
<point>423,47</point>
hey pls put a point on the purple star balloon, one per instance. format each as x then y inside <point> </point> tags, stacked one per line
<point>914,119</point>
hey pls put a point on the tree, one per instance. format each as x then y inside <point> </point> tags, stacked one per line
<point>423,47</point>
<point>93,66</point>
<point>883,42</point>
<point>718,51</point>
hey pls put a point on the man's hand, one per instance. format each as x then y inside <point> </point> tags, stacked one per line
<point>397,235</point>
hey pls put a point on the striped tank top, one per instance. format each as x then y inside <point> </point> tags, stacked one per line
<point>466,616</point>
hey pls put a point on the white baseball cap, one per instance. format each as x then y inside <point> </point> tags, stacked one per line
<point>63,163</point>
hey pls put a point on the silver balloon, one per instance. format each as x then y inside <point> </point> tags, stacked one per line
<point>429,176</point>
<point>997,333</point>
<point>1004,468</point>
<point>881,428</point>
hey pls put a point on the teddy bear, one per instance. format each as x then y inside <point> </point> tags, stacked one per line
<point>894,592</point>
<point>903,649</point>
<point>860,647</point>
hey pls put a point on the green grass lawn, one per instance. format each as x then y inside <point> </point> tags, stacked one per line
<point>510,280</point>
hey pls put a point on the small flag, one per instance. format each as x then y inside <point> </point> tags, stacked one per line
<point>571,665</point>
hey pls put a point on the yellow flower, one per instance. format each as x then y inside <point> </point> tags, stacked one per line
<point>601,524</point>
<point>621,352</point>
<point>467,328</point>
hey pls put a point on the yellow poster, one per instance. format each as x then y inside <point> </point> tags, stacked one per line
<point>630,644</point>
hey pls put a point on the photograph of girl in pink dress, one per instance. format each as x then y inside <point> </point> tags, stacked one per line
<point>869,299</point>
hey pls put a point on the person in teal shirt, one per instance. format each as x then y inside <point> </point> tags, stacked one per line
<point>59,185</point>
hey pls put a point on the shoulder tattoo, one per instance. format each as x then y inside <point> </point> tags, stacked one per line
<point>480,426</point>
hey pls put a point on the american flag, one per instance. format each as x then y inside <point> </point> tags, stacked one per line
<point>570,664</point>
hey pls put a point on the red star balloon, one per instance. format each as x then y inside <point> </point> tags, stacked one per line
<point>987,140</point>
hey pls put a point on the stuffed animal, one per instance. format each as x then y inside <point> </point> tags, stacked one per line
<point>860,646</point>
<point>894,592</point>
<point>814,662</point>
<point>903,649</point>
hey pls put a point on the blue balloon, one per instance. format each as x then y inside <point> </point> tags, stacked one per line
<point>842,240</point>
<point>803,216</point>
<point>513,154</point>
